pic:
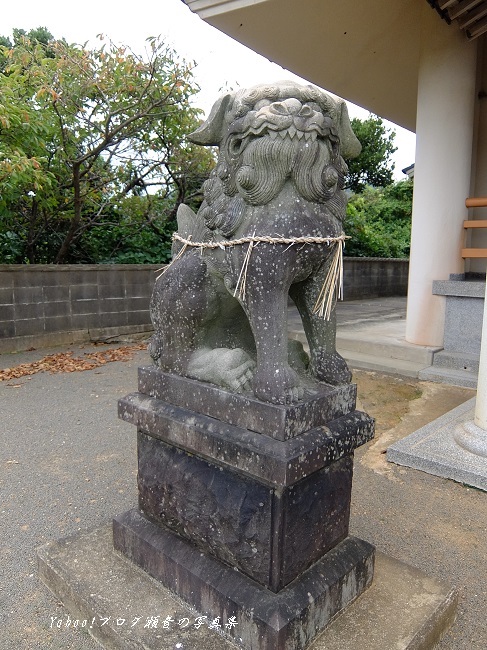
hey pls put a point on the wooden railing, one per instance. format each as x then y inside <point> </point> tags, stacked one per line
<point>475,223</point>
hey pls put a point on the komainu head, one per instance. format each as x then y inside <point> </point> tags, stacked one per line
<point>268,135</point>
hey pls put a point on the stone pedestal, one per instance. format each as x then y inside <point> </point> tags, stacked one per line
<point>244,505</point>
<point>458,361</point>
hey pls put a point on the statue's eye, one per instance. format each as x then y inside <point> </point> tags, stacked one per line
<point>235,146</point>
<point>306,111</point>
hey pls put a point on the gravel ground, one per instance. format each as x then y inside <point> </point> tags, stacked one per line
<point>68,464</point>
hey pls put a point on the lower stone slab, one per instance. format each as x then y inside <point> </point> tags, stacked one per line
<point>403,609</point>
<point>271,461</point>
<point>287,620</point>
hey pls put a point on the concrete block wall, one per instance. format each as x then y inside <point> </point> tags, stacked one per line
<point>370,277</point>
<point>42,305</point>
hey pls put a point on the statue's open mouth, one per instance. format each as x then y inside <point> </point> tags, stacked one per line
<point>292,132</point>
<point>237,143</point>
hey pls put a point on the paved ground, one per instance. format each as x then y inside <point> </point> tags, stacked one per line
<point>67,464</point>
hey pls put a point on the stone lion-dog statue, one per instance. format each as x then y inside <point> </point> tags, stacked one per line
<point>269,227</point>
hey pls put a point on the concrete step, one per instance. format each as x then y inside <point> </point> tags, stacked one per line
<point>373,341</point>
<point>381,340</point>
<point>449,376</point>
<point>377,363</point>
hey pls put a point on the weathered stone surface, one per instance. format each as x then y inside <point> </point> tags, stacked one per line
<point>220,309</point>
<point>269,507</point>
<point>288,620</point>
<point>311,517</point>
<point>320,403</point>
<point>438,448</point>
<point>222,513</point>
<point>98,585</point>
<point>458,361</point>
<point>272,535</point>
<point>271,461</point>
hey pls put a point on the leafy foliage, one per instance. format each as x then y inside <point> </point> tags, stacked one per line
<point>379,221</point>
<point>373,166</point>
<point>93,156</point>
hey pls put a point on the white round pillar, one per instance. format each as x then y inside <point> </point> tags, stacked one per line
<point>444,135</point>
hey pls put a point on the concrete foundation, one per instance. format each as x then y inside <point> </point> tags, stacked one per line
<point>123,608</point>
<point>446,448</point>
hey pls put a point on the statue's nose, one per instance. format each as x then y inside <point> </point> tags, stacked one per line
<point>289,106</point>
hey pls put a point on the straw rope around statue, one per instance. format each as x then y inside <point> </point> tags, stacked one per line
<point>331,290</point>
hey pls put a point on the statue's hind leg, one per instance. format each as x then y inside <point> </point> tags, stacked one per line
<point>178,308</point>
<point>197,334</point>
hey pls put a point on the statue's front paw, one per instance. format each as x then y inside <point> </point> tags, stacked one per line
<point>278,385</point>
<point>330,368</point>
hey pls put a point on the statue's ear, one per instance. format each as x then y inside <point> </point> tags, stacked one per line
<point>210,132</point>
<point>349,143</point>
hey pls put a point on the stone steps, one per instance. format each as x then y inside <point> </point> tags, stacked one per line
<point>387,365</point>
<point>378,346</point>
<point>385,341</point>
<point>449,376</point>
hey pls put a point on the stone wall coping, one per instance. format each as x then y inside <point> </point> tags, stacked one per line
<point>121,267</point>
<point>77,267</point>
<point>401,260</point>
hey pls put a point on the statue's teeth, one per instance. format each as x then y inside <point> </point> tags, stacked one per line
<point>292,131</point>
<point>273,135</point>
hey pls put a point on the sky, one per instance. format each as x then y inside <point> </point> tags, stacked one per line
<point>221,62</point>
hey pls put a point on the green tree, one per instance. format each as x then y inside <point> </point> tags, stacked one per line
<point>378,221</point>
<point>39,35</point>
<point>85,134</point>
<point>373,166</point>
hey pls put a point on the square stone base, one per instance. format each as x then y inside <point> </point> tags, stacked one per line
<point>404,609</point>
<point>269,505</point>
<point>288,620</point>
<point>270,533</point>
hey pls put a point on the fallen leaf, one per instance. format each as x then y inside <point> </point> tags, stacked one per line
<point>65,362</point>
